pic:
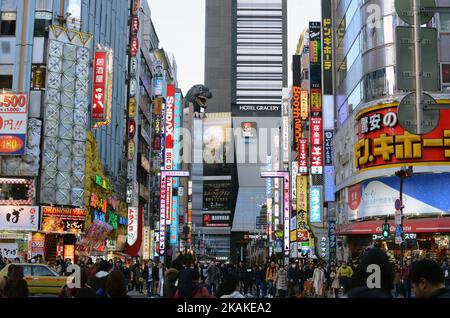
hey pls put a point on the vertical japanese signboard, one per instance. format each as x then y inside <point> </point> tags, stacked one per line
<point>169,147</point>
<point>102,87</point>
<point>315,199</point>
<point>327,60</point>
<point>133,220</point>
<point>316,146</point>
<point>303,156</point>
<point>302,209</point>
<point>13,123</point>
<point>287,214</point>
<point>296,113</point>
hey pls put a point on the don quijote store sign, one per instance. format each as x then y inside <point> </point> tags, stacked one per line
<point>383,143</point>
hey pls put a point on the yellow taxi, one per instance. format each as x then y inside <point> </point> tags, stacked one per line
<point>41,279</point>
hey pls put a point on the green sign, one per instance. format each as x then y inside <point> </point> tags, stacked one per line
<point>385,231</point>
<point>102,182</point>
<point>113,220</point>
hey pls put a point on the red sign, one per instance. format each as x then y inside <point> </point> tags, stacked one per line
<point>99,89</point>
<point>135,25</point>
<point>383,142</point>
<point>134,46</point>
<point>303,156</point>
<point>316,131</point>
<point>429,225</point>
<point>302,236</point>
<point>131,128</point>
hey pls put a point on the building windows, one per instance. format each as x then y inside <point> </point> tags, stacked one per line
<point>6,82</point>
<point>41,27</point>
<point>444,22</point>
<point>8,23</point>
<point>379,83</point>
<point>446,74</point>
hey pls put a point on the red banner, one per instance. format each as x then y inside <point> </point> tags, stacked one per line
<point>99,88</point>
<point>303,156</point>
<point>383,142</point>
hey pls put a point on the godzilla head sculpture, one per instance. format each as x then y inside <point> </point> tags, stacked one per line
<point>198,95</point>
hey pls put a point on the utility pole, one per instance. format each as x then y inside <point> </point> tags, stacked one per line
<point>417,64</point>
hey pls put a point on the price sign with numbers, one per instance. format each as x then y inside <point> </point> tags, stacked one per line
<point>13,123</point>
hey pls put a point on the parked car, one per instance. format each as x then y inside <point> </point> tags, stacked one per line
<point>41,279</point>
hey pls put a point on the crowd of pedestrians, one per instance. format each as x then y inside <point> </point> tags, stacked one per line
<point>192,279</point>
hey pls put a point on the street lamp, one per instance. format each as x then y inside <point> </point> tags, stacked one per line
<point>404,173</point>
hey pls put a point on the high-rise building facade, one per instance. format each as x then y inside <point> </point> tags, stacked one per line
<point>246,51</point>
<point>371,142</point>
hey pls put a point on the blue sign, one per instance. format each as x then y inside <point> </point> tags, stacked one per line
<point>278,246</point>
<point>293,223</point>
<point>315,199</point>
<point>398,231</point>
<point>269,180</point>
<point>329,184</point>
<point>99,216</point>
<point>174,225</point>
<point>158,87</point>
<point>123,221</point>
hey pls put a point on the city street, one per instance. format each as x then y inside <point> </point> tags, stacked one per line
<point>235,149</point>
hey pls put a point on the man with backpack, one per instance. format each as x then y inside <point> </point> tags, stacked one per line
<point>99,281</point>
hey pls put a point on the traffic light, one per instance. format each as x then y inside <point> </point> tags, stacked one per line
<point>385,230</point>
<point>405,172</point>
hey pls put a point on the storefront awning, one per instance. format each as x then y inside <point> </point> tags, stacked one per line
<point>428,225</point>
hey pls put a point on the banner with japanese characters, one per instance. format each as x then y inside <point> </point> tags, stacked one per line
<point>9,250</point>
<point>63,220</point>
<point>13,123</point>
<point>316,145</point>
<point>102,88</point>
<point>382,142</point>
<point>19,218</point>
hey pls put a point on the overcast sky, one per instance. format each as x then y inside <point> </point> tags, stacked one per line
<point>180,25</point>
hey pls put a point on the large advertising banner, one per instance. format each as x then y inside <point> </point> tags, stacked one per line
<point>13,123</point>
<point>377,198</point>
<point>63,220</point>
<point>217,195</point>
<point>19,218</point>
<point>383,143</point>
<point>296,113</point>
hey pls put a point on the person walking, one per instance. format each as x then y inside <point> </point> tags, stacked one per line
<point>271,272</point>
<point>161,272</point>
<point>16,286</point>
<point>99,281</point>
<point>344,274</point>
<point>294,278</point>
<point>190,286</point>
<point>148,277</point>
<point>170,278</point>
<point>373,257</point>
<point>212,280</point>
<point>229,288</point>
<point>260,280</point>
<point>116,286</point>
<point>334,282</point>
<point>248,280</point>
<point>318,280</point>
<point>281,281</point>
<point>428,280</point>
<point>405,279</point>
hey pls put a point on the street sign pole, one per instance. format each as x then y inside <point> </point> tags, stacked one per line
<point>417,64</point>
